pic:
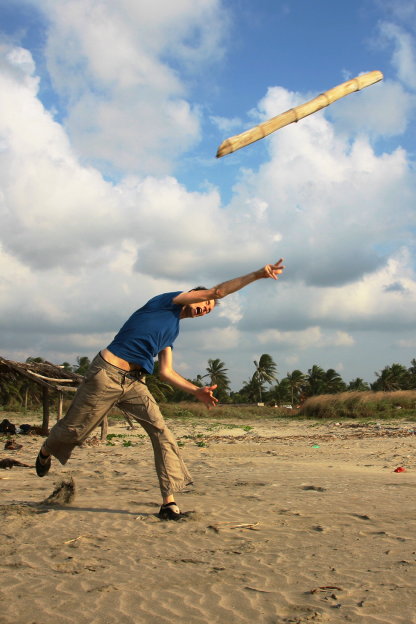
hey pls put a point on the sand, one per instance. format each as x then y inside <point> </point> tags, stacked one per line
<point>289,522</point>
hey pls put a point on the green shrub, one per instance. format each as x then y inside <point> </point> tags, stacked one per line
<point>198,411</point>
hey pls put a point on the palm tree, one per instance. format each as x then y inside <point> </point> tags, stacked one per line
<point>249,391</point>
<point>296,381</point>
<point>358,385</point>
<point>333,382</point>
<point>282,392</point>
<point>217,373</point>
<point>266,371</point>
<point>316,380</point>
<point>391,378</point>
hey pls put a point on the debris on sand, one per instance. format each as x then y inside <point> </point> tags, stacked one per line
<point>7,463</point>
<point>7,427</point>
<point>63,494</point>
<point>12,445</point>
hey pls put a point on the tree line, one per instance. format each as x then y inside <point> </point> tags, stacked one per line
<point>263,386</point>
<point>296,386</point>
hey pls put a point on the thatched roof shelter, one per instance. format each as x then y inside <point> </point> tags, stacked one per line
<point>49,376</point>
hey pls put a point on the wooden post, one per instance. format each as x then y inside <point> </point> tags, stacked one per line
<point>60,403</point>
<point>129,420</point>
<point>104,428</point>
<point>45,401</point>
<point>25,399</point>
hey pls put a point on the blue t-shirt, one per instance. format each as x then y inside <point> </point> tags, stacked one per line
<point>148,331</point>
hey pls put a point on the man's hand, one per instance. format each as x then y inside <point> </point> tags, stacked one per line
<point>205,396</point>
<point>272,270</point>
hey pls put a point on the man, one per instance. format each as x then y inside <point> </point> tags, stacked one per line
<point>117,377</point>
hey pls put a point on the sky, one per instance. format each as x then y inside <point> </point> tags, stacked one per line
<point>111,114</point>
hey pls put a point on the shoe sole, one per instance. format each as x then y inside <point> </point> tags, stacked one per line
<point>42,469</point>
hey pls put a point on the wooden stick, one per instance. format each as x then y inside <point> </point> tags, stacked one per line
<point>51,378</point>
<point>75,539</point>
<point>233,525</point>
<point>294,114</point>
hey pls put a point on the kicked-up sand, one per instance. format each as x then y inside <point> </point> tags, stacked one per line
<point>289,522</point>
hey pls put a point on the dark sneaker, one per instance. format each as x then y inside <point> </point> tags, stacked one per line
<point>42,468</point>
<point>170,511</point>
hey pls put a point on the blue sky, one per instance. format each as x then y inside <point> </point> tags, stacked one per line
<point>110,192</point>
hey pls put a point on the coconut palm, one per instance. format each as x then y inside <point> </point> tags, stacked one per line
<point>391,378</point>
<point>282,392</point>
<point>296,381</point>
<point>266,371</point>
<point>316,380</point>
<point>358,385</point>
<point>249,391</point>
<point>217,373</point>
<point>333,382</point>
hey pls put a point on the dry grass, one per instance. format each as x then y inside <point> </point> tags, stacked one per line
<point>401,403</point>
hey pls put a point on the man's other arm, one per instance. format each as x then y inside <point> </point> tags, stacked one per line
<point>168,374</point>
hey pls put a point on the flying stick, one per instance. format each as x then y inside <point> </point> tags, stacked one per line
<point>294,114</point>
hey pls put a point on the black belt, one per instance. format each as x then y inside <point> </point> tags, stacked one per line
<point>136,374</point>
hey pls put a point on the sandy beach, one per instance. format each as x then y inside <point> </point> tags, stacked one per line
<point>288,522</point>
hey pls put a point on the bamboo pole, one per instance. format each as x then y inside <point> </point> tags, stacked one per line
<point>66,380</point>
<point>45,419</point>
<point>256,133</point>
<point>60,405</point>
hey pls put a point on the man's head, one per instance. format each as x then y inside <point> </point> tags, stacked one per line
<point>201,308</point>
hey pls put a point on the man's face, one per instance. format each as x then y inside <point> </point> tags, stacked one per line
<point>192,310</point>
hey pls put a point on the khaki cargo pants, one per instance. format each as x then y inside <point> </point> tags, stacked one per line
<point>104,387</point>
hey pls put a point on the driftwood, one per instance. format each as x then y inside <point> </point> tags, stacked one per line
<point>50,378</point>
<point>294,114</point>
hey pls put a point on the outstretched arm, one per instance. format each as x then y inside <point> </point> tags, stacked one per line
<point>226,288</point>
<point>168,374</point>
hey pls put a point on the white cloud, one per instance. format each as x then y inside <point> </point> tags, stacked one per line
<point>79,253</point>
<point>404,55</point>
<point>313,337</point>
<point>224,338</point>
<point>226,124</point>
<point>330,198</point>
<point>362,112</point>
<point>367,302</point>
<point>126,105</point>
<point>408,344</point>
